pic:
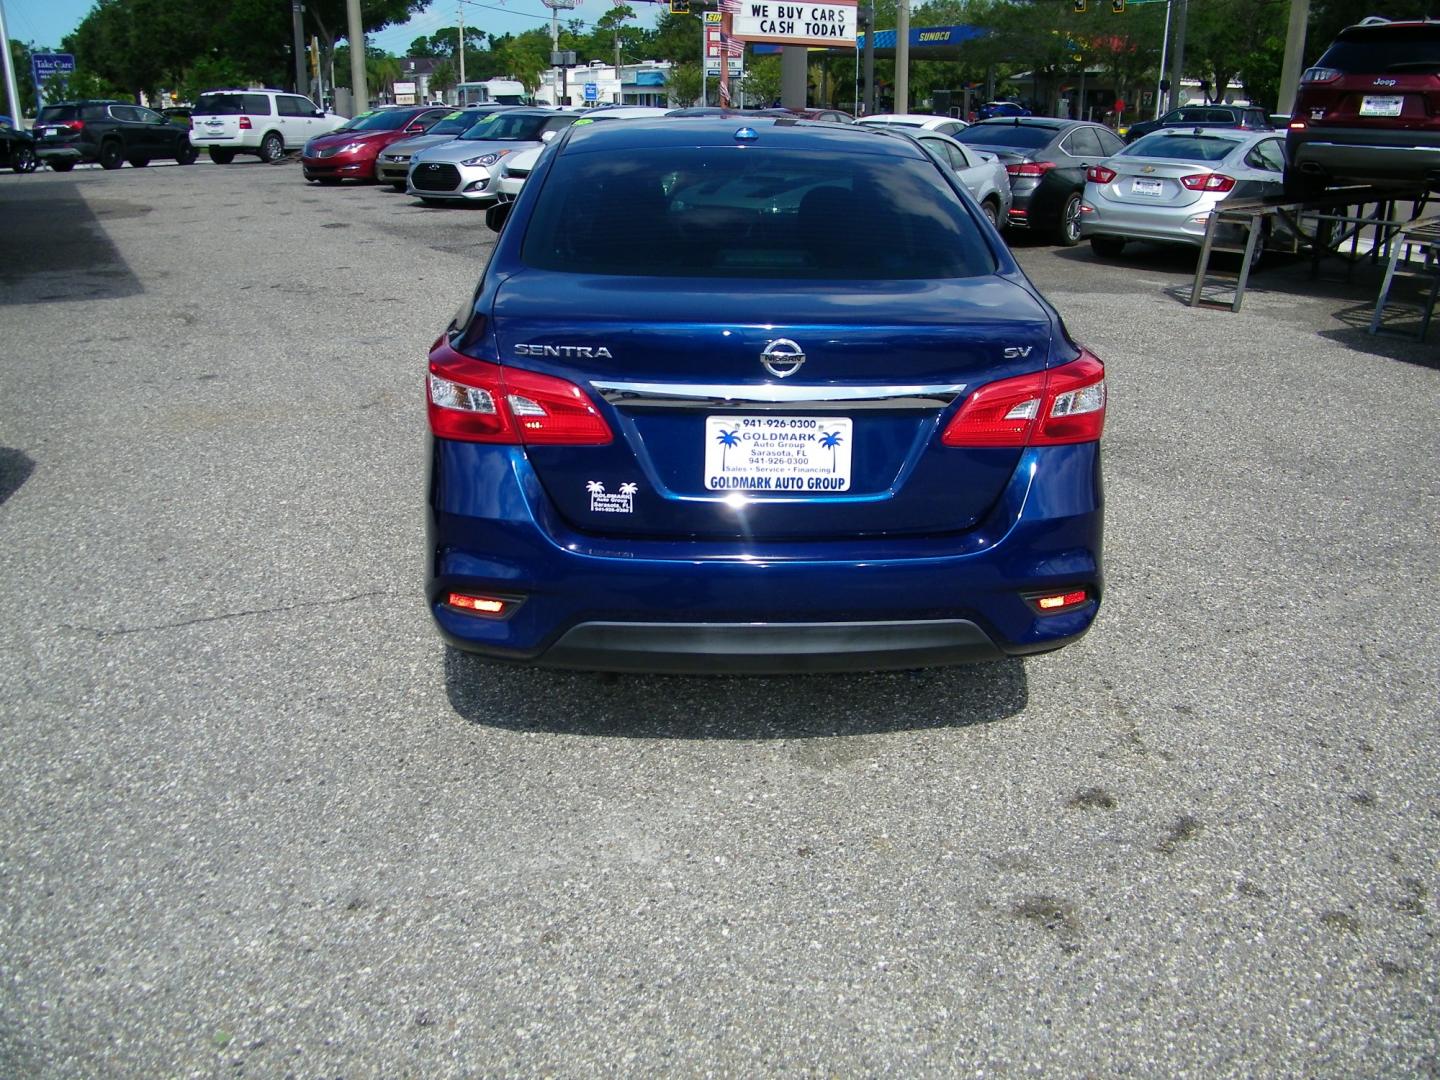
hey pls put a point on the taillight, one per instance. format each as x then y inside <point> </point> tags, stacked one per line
<point>245,124</point>
<point>1297,125</point>
<point>1041,408</point>
<point>1213,181</point>
<point>476,401</point>
<point>74,125</point>
<point>1030,168</point>
<point>1319,75</point>
<point>1098,174</point>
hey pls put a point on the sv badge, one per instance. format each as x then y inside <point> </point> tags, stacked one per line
<point>1018,352</point>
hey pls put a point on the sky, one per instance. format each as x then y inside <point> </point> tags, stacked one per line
<point>45,22</point>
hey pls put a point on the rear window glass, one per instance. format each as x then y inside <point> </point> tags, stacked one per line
<point>58,113</point>
<point>233,105</point>
<point>1024,136</point>
<point>1181,147</point>
<point>1386,48</point>
<point>722,212</point>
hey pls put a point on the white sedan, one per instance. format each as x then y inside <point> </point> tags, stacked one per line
<point>945,125</point>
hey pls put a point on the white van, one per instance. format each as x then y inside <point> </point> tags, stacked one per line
<point>262,122</point>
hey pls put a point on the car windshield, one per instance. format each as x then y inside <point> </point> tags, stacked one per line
<point>1181,147</point>
<point>1413,49</point>
<point>508,127</point>
<point>452,124</point>
<point>1022,136</point>
<point>720,212</point>
<point>54,114</point>
<point>380,120</point>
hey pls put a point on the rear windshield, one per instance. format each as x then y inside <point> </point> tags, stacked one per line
<point>58,114</point>
<point>1386,48</point>
<point>232,105</point>
<point>720,212</point>
<point>1180,147</point>
<point>509,127</point>
<point>1024,136</point>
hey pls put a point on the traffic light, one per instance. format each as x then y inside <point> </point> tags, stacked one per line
<point>1081,6</point>
<point>1117,7</point>
<point>679,7</point>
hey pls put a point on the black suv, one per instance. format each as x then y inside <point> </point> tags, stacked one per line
<point>110,132</point>
<point>1205,116</point>
<point>1367,111</point>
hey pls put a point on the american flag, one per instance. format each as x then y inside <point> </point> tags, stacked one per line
<point>724,94</point>
<point>732,46</point>
<point>731,6</point>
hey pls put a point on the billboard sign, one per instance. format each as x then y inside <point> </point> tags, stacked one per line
<point>775,23</point>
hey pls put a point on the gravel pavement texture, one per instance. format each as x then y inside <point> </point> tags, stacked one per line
<point>256,821</point>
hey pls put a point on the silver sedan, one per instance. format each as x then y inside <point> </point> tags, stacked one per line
<point>1163,187</point>
<point>981,173</point>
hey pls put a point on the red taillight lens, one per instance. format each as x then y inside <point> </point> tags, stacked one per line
<point>1054,603</point>
<point>495,607</point>
<point>245,124</point>
<point>1213,181</point>
<point>1030,168</point>
<point>475,401</point>
<point>74,125</point>
<point>1041,408</point>
<point>1098,174</point>
<point>1297,125</point>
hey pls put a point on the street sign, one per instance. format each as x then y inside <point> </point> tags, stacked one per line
<point>737,67</point>
<point>592,91</point>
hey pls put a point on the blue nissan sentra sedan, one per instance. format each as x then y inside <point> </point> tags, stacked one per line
<point>758,395</point>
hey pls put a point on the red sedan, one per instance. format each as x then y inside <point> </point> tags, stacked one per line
<point>349,153</point>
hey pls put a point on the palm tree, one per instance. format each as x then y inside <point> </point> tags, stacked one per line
<point>629,489</point>
<point>595,487</point>
<point>829,441</point>
<point>726,439</point>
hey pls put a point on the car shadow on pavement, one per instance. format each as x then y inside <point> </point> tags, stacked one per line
<point>519,698</point>
<point>54,248</point>
<point>15,468</point>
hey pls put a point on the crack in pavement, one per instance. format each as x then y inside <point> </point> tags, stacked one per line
<point>102,634</point>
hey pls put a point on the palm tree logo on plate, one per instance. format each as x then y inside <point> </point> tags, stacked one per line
<point>629,489</point>
<point>726,439</point>
<point>595,487</point>
<point>830,440</point>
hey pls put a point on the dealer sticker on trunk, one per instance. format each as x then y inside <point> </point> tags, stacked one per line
<point>778,453</point>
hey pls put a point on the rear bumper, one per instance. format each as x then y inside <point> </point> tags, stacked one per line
<point>1365,155</point>
<point>759,607</point>
<point>60,153</point>
<point>1100,216</point>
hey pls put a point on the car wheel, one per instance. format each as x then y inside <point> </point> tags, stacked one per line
<point>186,153</point>
<point>138,162</point>
<point>272,148</point>
<point>24,160</point>
<point>62,166</point>
<point>991,212</point>
<point>221,156</point>
<point>1107,247</point>
<point>110,155</point>
<point>1069,232</point>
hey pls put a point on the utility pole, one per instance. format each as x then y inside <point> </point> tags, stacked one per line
<point>1164,45</point>
<point>869,59</point>
<point>12,90</point>
<point>297,18</point>
<point>358,89</point>
<point>902,57</point>
<point>619,79</point>
<point>461,13</point>
<point>1294,55</point>
<point>1177,72</point>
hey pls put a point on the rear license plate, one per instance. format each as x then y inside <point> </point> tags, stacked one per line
<point>806,454</point>
<point>1381,106</point>
<point>1149,188</point>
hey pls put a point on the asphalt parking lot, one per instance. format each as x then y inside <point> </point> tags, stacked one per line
<point>254,820</point>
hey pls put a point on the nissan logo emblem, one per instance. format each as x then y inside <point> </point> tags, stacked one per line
<point>782,358</point>
<point>432,167</point>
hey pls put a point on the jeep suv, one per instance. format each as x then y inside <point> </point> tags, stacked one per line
<point>1244,118</point>
<point>265,123</point>
<point>1368,112</point>
<point>110,132</point>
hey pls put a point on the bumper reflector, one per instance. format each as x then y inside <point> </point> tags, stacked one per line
<point>494,606</point>
<point>1061,601</point>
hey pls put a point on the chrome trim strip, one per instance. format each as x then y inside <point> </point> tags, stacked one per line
<point>773,397</point>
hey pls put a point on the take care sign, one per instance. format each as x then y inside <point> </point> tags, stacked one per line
<point>774,23</point>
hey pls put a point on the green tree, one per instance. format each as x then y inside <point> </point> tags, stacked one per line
<point>683,83</point>
<point>761,85</point>
<point>20,58</point>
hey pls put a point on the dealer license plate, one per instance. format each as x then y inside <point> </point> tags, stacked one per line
<point>1149,188</point>
<point>767,453</point>
<point>1381,106</point>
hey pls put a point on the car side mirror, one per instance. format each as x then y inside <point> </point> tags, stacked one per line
<point>497,215</point>
<point>318,114</point>
<point>546,136</point>
<point>415,129</point>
